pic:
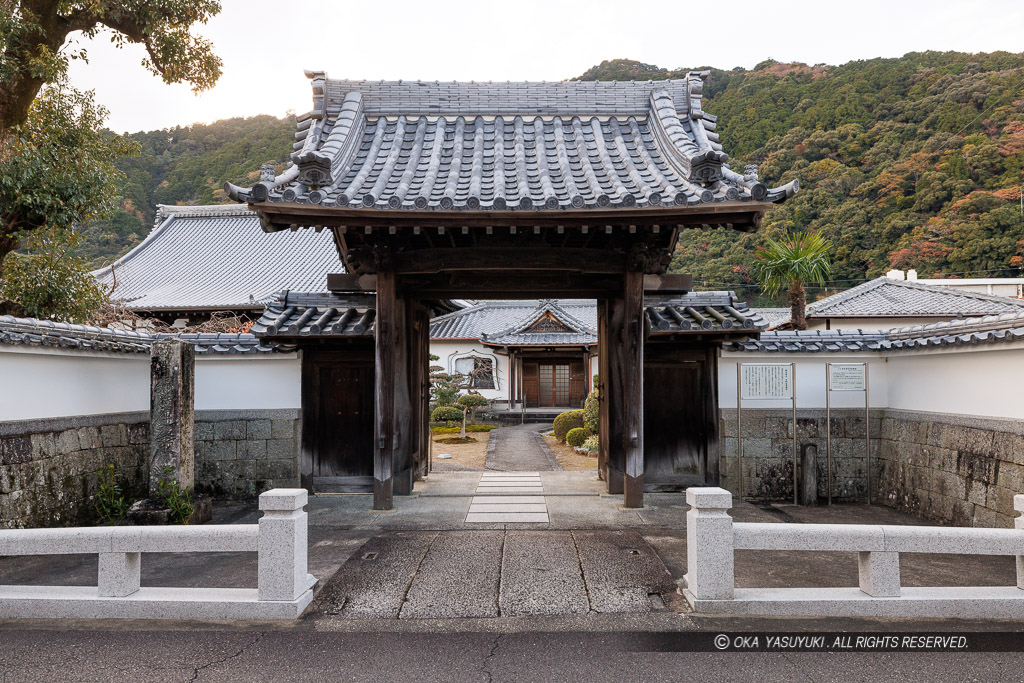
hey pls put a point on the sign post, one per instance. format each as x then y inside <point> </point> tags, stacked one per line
<point>762,382</point>
<point>847,377</point>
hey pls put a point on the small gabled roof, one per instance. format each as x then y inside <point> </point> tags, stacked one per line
<point>511,317</point>
<point>563,329</point>
<point>217,258</point>
<point>317,314</point>
<point>390,145</point>
<point>887,298</point>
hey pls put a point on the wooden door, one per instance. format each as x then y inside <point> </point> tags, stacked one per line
<point>675,425</point>
<point>531,383</point>
<point>577,384</point>
<point>338,423</point>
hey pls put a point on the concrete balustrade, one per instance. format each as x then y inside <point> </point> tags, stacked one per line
<point>279,539</point>
<point>712,538</point>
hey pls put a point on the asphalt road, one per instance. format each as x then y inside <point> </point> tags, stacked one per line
<point>123,653</point>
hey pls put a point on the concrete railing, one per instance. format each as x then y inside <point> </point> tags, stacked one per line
<point>279,539</point>
<point>712,537</point>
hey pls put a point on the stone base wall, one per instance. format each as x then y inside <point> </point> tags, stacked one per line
<point>950,468</point>
<point>49,468</point>
<point>241,453</point>
<point>768,451</point>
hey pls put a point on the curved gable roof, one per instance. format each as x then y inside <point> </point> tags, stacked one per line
<point>884,297</point>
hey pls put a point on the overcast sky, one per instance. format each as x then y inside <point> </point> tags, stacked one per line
<point>266,45</point>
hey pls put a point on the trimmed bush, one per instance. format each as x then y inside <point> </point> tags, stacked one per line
<point>576,437</point>
<point>446,414</point>
<point>472,402</point>
<point>570,419</point>
<point>592,412</point>
<point>592,443</point>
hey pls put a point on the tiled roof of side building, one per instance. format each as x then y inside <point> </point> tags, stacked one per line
<point>992,329</point>
<point>884,297</point>
<point>508,317</point>
<point>57,335</point>
<point>217,258</point>
<point>508,146</point>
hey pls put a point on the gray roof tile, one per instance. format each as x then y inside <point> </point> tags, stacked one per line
<point>883,297</point>
<point>508,146</point>
<point>217,257</point>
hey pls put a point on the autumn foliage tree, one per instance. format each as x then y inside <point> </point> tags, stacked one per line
<point>57,166</point>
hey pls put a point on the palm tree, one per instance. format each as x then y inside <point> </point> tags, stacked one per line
<point>800,258</point>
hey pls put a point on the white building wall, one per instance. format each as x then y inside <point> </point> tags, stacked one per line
<point>980,381</point>
<point>248,382</point>
<point>43,383</point>
<point>39,383</point>
<point>449,351</point>
<point>810,379</point>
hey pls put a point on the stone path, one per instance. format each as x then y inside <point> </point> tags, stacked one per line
<point>498,573</point>
<point>517,448</point>
<point>504,497</point>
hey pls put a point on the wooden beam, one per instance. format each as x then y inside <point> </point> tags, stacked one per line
<point>496,259</point>
<point>384,402</point>
<point>632,357</point>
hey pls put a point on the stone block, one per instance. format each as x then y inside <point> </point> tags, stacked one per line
<point>807,428</point>
<point>257,429</point>
<point>252,450</point>
<point>282,470</point>
<point>1008,447</point>
<point>229,429</point>
<point>89,437</point>
<point>757,447</point>
<point>990,519</point>
<point>281,449</point>
<point>853,427</point>
<point>204,431</point>
<point>67,441</point>
<point>113,435</point>
<point>879,573</point>
<point>119,574</point>
<point>709,551</point>
<point>977,492</point>
<point>220,450</point>
<point>977,440</point>
<point>1010,476</point>
<point>44,445</point>
<point>282,429</point>
<point>1001,500</point>
<point>138,433</point>
<point>15,450</point>
<point>777,428</point>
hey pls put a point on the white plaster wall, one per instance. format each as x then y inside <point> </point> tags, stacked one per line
<point>448,351</point>
<point>983,381</point>
<point>249,382</point>
<point>810,380</point>
<point>40,383</point>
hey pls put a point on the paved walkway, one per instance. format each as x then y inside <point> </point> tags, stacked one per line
<point>518,448</point>
<point>507,497</point>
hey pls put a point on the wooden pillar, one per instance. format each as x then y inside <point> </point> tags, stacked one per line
<point>384,381</point>
<point>615,385</point>
<point>402,466</point>
<point>633,389</point>
<point>602,389</point>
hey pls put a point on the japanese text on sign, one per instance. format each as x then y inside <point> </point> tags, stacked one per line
<point>766,380</point>
<point>847,376</point>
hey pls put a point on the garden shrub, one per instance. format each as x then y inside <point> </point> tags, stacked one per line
<point>592,412</point>
<point>472,402</point>
<point>592,443</point>
<point>566,421</point>
<point>446,414</point>
<point>576,437</point>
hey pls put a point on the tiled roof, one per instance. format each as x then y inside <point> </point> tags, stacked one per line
<point>700,312</point>
<point>508,317</point>
<point>575,331</point>
<point>32,332</point>
<point>812,341</point>
<point>217,258</point>
<point>507,146</point>
<point>883,297</point>
<point>1008,327</point>
<point>773,316</point>
<point>318,314</point>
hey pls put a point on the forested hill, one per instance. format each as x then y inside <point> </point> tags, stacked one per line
<point>913,162</point>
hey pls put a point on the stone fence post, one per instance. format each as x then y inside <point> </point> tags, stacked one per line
<point>709,544</point>
<point>172,412</point>
<point>1018,505</point>
<point>283,545</point>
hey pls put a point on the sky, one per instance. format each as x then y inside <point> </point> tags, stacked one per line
<point>266,44</point>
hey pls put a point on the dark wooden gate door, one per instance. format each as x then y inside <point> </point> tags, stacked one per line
<point>675,425</point>
<point>338,423</point>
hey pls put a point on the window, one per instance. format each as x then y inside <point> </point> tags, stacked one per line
<point>479,372</point>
